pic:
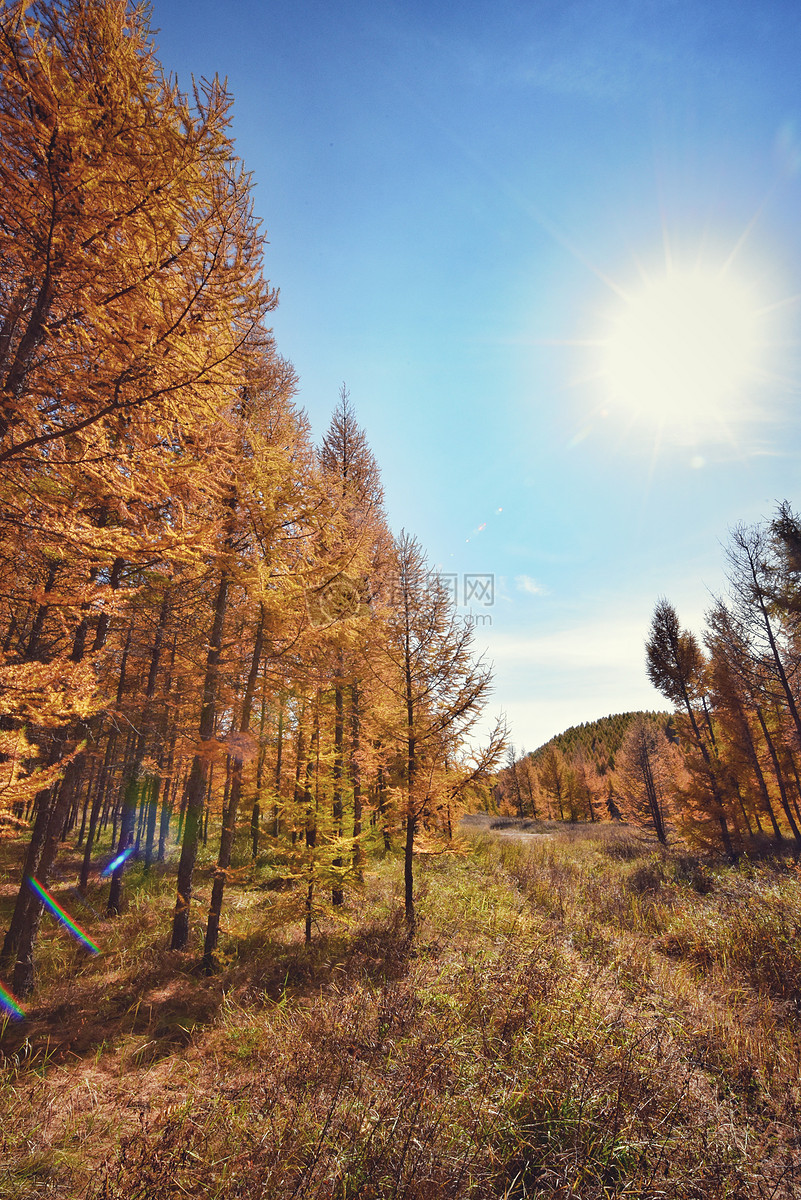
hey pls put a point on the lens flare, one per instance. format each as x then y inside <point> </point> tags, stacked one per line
<point>8,1002</point>
<point>116,862</point>
<point>59,913</point>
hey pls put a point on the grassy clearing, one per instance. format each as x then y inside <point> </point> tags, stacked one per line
<point>579,1015</point>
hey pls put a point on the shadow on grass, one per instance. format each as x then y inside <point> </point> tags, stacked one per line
<point>166,997</point>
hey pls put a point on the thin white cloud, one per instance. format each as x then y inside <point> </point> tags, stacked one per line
<point>550,681</point>
<point>525,583</point>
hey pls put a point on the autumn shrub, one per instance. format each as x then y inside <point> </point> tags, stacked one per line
<point>647,877</point>
<point>751,934</point>
<point>690,871</point>
<point>624,847</point>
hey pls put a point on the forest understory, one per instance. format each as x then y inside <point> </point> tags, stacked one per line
<point>578,1014</point>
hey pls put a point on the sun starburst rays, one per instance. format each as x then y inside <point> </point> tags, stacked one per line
<point>684,347</point>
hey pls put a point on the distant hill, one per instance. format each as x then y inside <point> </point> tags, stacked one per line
<point>599,740</point>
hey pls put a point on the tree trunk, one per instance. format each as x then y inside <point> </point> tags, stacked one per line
<point>134,790</point>
<point>788,812</point>
<point>311,824</point>
<point>713,783</point>
<point>355,773</point>
<point>279,749</point>
<point>408,878</point>
<point>337,893</point>
<point>52,807</point>
<point>753,757</point>
<point>230,810</point>
<point>255,816</point>
<point>198,774</point>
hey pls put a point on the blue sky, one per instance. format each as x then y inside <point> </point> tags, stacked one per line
<point>459,199</point>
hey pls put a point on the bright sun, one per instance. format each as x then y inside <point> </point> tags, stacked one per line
<point>684,348</point>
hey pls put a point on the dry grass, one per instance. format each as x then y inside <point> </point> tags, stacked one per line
<point>579,1015</point>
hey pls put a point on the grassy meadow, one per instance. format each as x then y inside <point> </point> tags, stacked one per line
<point>580,1014</point>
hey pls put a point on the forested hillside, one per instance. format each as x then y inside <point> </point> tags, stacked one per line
<point>724,769</point>
<point>598,740</point>
<point>573,775</point>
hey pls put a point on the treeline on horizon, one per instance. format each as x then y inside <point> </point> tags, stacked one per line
<point>572,776</point>
<point>205,619</point>
<point>724,770</point>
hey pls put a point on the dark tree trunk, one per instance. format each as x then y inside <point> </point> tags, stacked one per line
<point>100,789</point>
<point>230,810</point>
<point>255,816</point>
<point>152,814</point>
<point>382,809</point>
<point>355,774</point>
<point>753,757</point>
<point>135,790</point>
<point>52,809</point>
<point>311,822</point>
<point>278,763</point>
<point>198,774</point>
<point>337,893</point>
<point>777,771</point>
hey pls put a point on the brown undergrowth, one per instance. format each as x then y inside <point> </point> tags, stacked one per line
<point>578,1015</point>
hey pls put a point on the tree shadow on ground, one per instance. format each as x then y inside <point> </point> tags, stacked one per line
<point>166,998</point>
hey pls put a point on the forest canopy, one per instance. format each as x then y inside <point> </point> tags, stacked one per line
<point>200,609</point>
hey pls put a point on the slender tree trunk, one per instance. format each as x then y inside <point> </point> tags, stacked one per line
<point>382,808</point>
<point>52,808</point>
<point>100,790</point>
<point>300,751</point>
<point>355,774</point>
<point>411,780</point>
<point>169,780</point>
<point>774,649</point>
<point>207,809</point>
<point>713,783</point>
<point>653,797</point>
<point>171,784</point>
<point>337,893</point>
<point>411,827</point>
<point>134,791</point>
<point>742,809</point>
<point>777,771</point>
<point>789,757</point>
<point>87,797</point>
<point>144,800</point>
<point>152,814</point>
<point>255,816</point>
<point>230,810</point>
<point>311,822</point>
<point>753,757</point>
<point>184,802</point>
<point>278,763</point>
<point>199,772</point>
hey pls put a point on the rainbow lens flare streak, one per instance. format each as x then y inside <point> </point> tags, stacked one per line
<point>8,1002</point>
<point>62,916</point>
<point>117,862</point>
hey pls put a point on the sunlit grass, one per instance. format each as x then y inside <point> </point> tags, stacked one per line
<point>582,1014</point>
